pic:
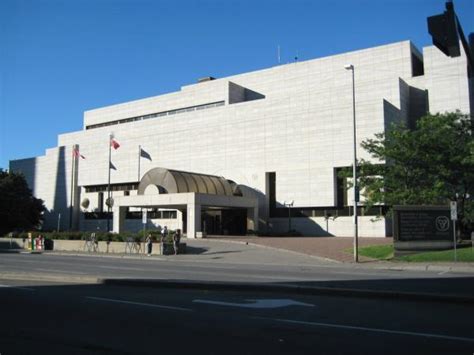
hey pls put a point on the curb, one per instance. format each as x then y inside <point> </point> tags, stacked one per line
<point>66,278</point>
<point>423,267</point>
<point>288,288</point>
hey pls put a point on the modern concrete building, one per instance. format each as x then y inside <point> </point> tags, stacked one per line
<point>227,155</point>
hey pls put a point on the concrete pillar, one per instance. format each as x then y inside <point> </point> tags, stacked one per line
<point>179,216</point>
<point>118,218</point>
<point>194,219</point>
<point>252,218</point>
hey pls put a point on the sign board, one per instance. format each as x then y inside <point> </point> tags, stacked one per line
<point>144,216</point>
<point>422,223</point>
<point>454,210</point>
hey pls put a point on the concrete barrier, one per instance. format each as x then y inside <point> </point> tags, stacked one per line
<point>101,247</point>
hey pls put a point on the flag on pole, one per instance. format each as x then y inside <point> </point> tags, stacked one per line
<point>145,154</point>
<point>114,144</point>
<point>112,166</point>
<point>76,153</point>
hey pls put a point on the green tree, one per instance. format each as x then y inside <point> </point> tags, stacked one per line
<point>431,164</point>
<point>19,210</point>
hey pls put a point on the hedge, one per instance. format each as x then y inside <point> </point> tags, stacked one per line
<point>100,236</point>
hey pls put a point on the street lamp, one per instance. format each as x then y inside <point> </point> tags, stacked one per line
<point>354,166</point>
<point>289,204</point>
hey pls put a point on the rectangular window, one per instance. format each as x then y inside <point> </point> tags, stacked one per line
<point>169,214</point>
<point>101,202</point>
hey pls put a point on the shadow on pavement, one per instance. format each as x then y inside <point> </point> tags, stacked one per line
<point>112,318</point>
<point>426,289</point>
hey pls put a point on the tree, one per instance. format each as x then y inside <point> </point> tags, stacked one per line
<point>19,210</point>
<point>431,164</point>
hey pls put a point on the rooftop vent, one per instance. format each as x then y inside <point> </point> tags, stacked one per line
<point>206,78</point>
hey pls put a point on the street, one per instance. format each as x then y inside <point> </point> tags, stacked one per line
<point>54,318</point>
<point>87,268</point>
<point>63,304</point>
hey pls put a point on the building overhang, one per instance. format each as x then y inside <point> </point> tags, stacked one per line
<point>181,200</point>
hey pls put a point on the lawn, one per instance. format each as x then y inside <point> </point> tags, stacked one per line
<point>385,252</point>
<point>381,252</point>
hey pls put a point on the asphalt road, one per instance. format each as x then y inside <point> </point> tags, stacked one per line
<point>53,318</point>
<point>80,268</point>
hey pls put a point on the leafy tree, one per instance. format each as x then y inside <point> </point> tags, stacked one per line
<point>19,210</point>
<point>431,164</point>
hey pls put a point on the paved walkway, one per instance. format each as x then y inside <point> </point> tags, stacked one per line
<point>335,248</point>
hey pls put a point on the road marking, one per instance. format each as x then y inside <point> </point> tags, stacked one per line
<point>18,288</point>
<point>399,332</point>
<point>61,271</point>
<point>140,304</point>
<point>262,303</point>
<point>122,268</point>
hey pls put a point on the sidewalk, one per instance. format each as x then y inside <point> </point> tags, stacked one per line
<point>333,248</point>
<point>324,247</point>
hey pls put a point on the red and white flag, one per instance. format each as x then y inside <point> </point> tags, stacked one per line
<point>114,143</point>
<point>76,153</point>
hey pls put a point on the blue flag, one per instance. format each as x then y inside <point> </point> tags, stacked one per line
<point>145,155</point>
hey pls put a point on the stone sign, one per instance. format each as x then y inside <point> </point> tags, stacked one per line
<point>422,227</point>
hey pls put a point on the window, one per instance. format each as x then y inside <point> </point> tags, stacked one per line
<point>101,202</point>
<point>169,214</point>
<point>157,114</point>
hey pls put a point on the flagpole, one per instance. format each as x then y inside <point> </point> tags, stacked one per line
<point>72,183</point>
<point>108,184</point>
<point>139,156</point>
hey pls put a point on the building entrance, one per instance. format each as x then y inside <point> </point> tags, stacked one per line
<point>225,221</point>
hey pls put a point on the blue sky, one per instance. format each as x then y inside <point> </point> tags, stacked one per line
<point>59,58</point>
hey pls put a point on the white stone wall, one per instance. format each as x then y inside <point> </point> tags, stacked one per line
<point>301,130</point>
<point>49,178</point>
<point>447,81</point>
<point>368,226</point>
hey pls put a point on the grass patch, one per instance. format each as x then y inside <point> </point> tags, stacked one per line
<point>381,252</point>
<point>463,254</point>
<point>385,252</point>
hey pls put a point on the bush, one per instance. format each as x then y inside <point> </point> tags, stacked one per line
<point>100,236</point>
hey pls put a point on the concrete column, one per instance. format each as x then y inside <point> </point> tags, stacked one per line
<point>118,218</point>
<point>179,216</point>
<point>252,218</point>
<point>194,219</point>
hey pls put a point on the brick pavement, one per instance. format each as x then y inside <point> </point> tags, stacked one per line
<point>327,247</point>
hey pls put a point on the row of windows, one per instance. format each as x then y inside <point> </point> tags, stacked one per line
<point>153,215</point>
<point>133,215</point>
<point>113,187</point>
<point>158,114</point>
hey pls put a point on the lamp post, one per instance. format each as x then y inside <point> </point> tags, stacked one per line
<point>108,202</point>
<point>289,204</point>
<point>354,166</point>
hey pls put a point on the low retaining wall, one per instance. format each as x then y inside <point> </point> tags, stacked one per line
<point>101,247</point>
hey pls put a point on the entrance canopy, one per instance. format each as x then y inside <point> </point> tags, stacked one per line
<point>174,181</point>
<point>187,192</point>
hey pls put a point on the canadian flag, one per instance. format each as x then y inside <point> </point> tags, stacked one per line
<point>114,143</point>
<point>76,153</point>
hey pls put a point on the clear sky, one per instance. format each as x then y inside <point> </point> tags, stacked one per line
<point>59,58</point>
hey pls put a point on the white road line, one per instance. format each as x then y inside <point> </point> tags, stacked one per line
<point>122,268</point>
<point>61,271</point>
<point>18,288</point>
<point>399,332</point>
<point>140,304</point>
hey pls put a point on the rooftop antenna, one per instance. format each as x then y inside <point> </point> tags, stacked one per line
<point>296,57</point>
<point>279,55</point>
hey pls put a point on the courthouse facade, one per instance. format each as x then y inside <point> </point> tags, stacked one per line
<point>255,151</point>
